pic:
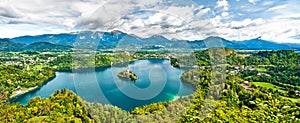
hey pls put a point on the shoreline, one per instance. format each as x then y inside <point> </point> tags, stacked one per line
<point>99,68</point>
<point>27,90</point>
<point>92,69</point>
<point>23,91</point>
<point>194,86</point>
<point>175,98</point>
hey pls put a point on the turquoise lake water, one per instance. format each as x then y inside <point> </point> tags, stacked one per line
<point>158,81</point>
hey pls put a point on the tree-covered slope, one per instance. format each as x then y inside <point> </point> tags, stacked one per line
<point>7,45</point>
<point>62,106</point>
<point>45,46</point>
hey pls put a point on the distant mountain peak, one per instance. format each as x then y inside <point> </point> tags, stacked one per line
<point>158,36</point>
<point>259,37</point>
<point>117,32</point>
<point>214,37</point>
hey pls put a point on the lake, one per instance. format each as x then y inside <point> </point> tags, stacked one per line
<point>157,81</point>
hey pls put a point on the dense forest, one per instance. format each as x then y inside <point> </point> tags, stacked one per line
<point>237,104</point>
<point>14,78</point>
<point>60,107</point>
<point>237,99</point>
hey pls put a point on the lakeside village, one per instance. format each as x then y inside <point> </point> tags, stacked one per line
<point>26,63</point>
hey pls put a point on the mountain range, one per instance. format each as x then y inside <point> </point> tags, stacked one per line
<point>117,39</point>
<point>7,45</point>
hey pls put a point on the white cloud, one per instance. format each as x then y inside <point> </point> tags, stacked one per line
<point>241,14</point>
<point>253,1</point>
<point>168,21</point>
<point>222,8</point>
<point>267,3</point>
<point>9,11</point>
<point>14,30</point>
<point>35,12</point>
<point>224,14</point>
<point>203,12</point>
<point>278,30</point>
<point>276,8</point>
<point>245,23</point>
<point>223,4</point>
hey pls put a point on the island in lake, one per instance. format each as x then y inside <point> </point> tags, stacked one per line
<point>128,75</point>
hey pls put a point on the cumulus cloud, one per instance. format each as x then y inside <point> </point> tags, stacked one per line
<point>245,23</point>
<point>52,15</point>
<point>271,21</point>
<point>223,7</point>
<point>224,14</point>
<point>223,4</point>
<point>278,30</point>
<point>147,20</point>
<point>8,11</point>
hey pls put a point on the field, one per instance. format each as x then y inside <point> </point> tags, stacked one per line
<point>266,85</point>
<point>270,85</point>
<point>261,69</point>
<point>293,99</point>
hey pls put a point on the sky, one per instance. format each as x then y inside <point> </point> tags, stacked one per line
<point>272,20</point>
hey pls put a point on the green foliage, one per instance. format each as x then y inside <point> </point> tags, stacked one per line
<point>174,62</point>
<point>127,75</point>
<point>7,45</point>
<point>67,62</point>
<point>279,69</point>
<point>202,57</point>
<point>62,63</point>
<point>62,106</point>
<point>150,109</point>
<point>281,57</point>
<point>13,78</point>
<point>239,105</point>
<point>46,46</point>
<point>213,56</point>
<point>265,84</point>
<point>198,77</point>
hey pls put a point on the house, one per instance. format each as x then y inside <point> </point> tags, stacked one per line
<point>263,74</point>
<point>246,86</point>
<point>126,71</point>
<point>297,93</point>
